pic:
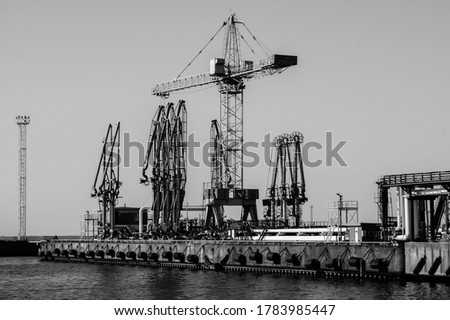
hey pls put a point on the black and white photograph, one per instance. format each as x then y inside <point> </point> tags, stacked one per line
<point>224,159</point>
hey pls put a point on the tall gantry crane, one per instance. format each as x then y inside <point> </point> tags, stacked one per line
<point>106,183</point>
<point>229,73</point>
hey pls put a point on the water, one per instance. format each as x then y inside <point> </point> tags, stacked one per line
<point>29,278</point>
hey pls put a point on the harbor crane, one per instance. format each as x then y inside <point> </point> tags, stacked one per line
<point>106,183</point>
<point>229,73</point>
<point>166,154</point>
<point>286,190</point>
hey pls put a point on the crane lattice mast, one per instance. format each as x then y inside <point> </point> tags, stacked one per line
<point>232,110</point>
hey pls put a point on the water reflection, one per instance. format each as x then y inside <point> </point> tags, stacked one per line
<point>28,278</point>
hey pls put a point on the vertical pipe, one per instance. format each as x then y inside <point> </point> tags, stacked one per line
<point>407,217</point>
<point>422,222</point>
<point>384,194</point>
<point>400,212</point>
<point>141,227</point>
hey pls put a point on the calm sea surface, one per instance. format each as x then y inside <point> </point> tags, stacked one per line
<point>29,278</point>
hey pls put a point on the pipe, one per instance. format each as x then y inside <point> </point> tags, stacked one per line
<point>141,225</point>
<point>404,214</point>
<point>400,209</point>
<point>194,207</point>
<point>408,217</point>
<point>415,216</point>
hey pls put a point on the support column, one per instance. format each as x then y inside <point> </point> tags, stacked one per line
<point>384,194</point>
<point>415,218</point>
<point>431,219</point>
<point>446,215</point>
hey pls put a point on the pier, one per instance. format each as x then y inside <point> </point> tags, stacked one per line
<point>367,261</point>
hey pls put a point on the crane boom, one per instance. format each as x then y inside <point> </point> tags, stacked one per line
<point>276,64</point>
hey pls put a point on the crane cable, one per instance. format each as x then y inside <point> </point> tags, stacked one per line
<point>248,45</point>
<point>178,76</point>
<point>260,44</point>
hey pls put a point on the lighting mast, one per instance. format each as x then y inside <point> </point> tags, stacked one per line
<point>22,122</point>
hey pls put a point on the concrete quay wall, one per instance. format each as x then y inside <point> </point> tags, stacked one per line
<point>244,253</point>
<point>427,258</point>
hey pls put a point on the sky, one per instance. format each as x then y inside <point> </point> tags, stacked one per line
<point>374,73</point>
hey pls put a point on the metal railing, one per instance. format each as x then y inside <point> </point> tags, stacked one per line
<point>415,178</point>
<point>278,224</point>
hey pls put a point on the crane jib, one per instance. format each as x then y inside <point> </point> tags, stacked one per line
<point>277,63</point>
